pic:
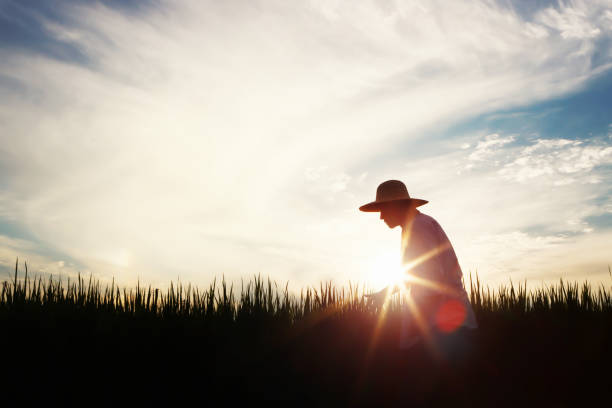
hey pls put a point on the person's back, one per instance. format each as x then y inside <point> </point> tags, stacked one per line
<point>436,284</point>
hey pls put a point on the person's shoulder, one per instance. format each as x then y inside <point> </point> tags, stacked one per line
<point>427,221</point>
<point>424,218</point>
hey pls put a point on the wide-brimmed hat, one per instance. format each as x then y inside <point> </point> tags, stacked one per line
<point>391,191</point>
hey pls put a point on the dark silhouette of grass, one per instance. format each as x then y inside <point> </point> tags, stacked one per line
<point>547,346</point>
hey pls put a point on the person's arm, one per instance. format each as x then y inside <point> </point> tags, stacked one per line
<point>382,294</point>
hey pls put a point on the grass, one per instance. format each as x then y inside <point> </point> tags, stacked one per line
<point>263,298</point>
<point>325,346</point>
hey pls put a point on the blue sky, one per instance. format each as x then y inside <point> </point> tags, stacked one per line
<point>157,140</point>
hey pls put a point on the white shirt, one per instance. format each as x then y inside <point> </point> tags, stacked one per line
<point>437,290</point>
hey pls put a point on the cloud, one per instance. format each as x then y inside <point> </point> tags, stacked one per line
<point>39,264</point>
<point>487,147</point>
<point>553,161</point>
<point>321,182</point>
<point>518,255</point>
<point>561,161</point>
<point>571,21</point>
<point>504,253</point>
<point>192,134</point>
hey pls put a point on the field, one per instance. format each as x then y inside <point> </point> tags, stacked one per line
<point>75,340</point>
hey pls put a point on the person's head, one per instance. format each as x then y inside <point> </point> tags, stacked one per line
<point>396,213</point>
<point>394,203</point>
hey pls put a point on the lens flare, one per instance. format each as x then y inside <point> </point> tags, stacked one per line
<point>450,316</point>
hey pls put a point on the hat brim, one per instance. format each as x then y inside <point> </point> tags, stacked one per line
<point>376,206</point>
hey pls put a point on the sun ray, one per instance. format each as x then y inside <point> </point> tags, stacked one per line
<point>375,334</point>
<point>437,286</point>
<point>427,255</point>
<point>412,279</point>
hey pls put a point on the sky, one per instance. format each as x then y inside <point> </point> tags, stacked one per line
<point>188,140</point>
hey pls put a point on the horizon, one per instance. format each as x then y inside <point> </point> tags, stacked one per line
<point>154,140</point>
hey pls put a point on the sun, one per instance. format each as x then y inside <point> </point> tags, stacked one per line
<point>386,270</point>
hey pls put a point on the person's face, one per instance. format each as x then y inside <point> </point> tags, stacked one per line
<point>393,214</point>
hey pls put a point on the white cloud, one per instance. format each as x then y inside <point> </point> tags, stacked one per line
<point>562,161</point>
<point>182,149</point>
<point>487,147</point>
<point>536,31</point>
<point>573,20</point>
<point>552,161</point>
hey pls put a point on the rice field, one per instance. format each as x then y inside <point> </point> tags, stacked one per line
<point>74,339</point>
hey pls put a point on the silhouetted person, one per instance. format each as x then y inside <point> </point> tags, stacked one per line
<point>441,314</point>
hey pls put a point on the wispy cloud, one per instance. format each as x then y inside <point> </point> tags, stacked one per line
<point>571,21</point>
<point>562,161</point>
<point>488,146</point>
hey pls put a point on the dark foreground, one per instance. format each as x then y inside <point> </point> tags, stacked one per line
<point>532,361</point>
<point>83,344</point>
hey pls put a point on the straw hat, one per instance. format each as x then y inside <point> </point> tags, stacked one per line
<point>391,191</point>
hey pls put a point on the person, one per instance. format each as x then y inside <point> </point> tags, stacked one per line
<point>440,312</point>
